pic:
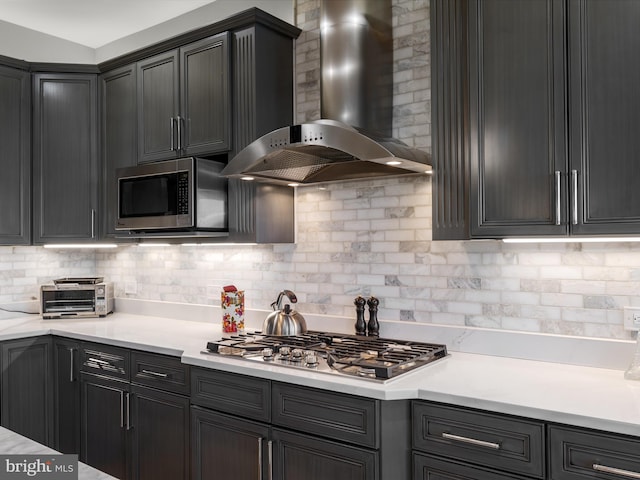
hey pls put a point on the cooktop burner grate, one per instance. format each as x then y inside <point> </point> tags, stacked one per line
<point>367,357</point>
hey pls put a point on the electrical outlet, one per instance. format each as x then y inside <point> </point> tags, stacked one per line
<point>632,318</point>
<point>130,287</point>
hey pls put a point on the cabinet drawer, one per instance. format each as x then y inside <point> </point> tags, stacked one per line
<point>105,360</point>
<point>249,397</point>
<point>579,454</point>
<point>160,371</point>
<point>426,467</point>
<point>305,457</point>
<point>495,441</point>
<point>342,417</point>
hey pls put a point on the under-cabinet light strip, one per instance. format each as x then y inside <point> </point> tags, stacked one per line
<point>570,239</point>
<point>80,245</point>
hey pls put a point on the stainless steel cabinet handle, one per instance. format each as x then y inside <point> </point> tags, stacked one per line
<point>615,471</point>
<point>171,130</point>
<point>128,411</point>
<point>574,206</point>
<point>270,454</point>
<point>260,458</point>
<point>71,362</point>
<point>121,409</point>
<point>98,361</point>
<point>179,122</point>
<point>155,374</point>
<point>93,223</point>
<point>471,441</point>
<point>558,211</point>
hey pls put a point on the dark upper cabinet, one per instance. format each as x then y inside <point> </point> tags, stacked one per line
<point>516,122</point>
<point>15,156</point>
<point>183,101</point>
<point>65,158</point>
<point>27,387</point>
<point>205,120</point>
<point>158,107</point>
<point>118,133</point>
<point>533,113</point>
<point>604,101</point>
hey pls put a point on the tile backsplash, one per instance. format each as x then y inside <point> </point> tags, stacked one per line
<point>371,238</point>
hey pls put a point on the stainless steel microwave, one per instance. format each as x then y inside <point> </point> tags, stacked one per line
<point>187,194</point>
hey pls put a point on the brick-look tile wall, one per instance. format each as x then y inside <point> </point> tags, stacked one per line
<point>373,238</point>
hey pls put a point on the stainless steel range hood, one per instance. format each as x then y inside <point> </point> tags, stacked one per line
<point>352,141</point>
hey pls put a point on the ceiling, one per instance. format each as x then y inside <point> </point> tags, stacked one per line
<point>93,23</point>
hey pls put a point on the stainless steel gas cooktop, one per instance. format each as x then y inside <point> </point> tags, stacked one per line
<point>370,358</point>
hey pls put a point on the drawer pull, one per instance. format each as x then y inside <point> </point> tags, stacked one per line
<point>155,374</point>
<point>471,441</point>
<point>615,471</point>
<point>99,362</point>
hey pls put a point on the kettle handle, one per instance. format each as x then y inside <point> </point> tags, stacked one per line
<point>277,304</point>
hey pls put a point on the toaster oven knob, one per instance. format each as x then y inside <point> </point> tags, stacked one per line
<point>296,355</point>
<point>267,353</point>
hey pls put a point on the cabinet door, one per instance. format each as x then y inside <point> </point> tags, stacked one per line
<point>15,156</point>
<point>158,107</point>
<point>66,396</point>
<point>119,134</point>
<point>426,467</point>
<point>105,419</point>
<point>605,108</point>
<point>205,117</point>
<point>65,157</point>
<point>27,387</point>
<point>160,428</point>
<point>517,117</point>
<point>225,447</point>
<point>301,456</point>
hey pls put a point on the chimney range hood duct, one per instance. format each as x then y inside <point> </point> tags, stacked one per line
<point>352,141</point>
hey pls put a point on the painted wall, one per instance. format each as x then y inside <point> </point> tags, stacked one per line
<point>25,44</point>
<point>373,238</point>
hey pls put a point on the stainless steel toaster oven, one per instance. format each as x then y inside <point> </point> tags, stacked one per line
<point>76,297</point>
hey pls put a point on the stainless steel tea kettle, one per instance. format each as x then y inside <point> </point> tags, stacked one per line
<point>284,322</point>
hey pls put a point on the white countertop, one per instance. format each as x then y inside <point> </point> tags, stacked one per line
<point>591,397</point>
<point>12,443</point>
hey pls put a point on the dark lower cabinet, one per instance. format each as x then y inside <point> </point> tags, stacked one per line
<point>105,424</point>
<point>312,458</point>
<point>159,425</point>
<point>226,447</point>
<point>426,467</point>
<point>294,432</point>
<point>580,454</point>
<point>130,430</point>
<point>66,396</point>
<point>26,388</point>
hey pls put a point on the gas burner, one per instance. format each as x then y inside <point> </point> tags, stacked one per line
<point>368,358</point>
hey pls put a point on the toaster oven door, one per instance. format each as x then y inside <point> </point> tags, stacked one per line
<point>59,303</point>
